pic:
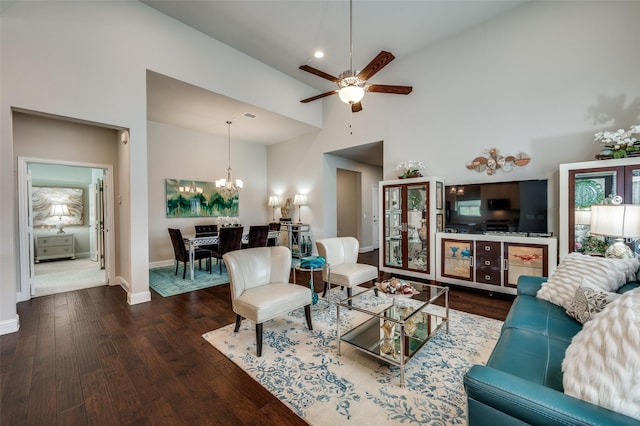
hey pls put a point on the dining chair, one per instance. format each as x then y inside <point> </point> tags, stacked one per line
<point>229,239</point>
<point>182,255</point>
<point>207,231</point>
<point>260,287</point>
<point>341,254</point>
<point>273,226</point>
<point>257,236</point>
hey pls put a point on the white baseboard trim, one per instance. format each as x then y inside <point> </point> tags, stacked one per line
<point>161,263</point>
<point>10,326</point>
<point>142,297</point>
<point>366,249</point>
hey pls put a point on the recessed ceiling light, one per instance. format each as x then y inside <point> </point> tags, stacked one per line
<point>319,54</point>
<point>249,115</point>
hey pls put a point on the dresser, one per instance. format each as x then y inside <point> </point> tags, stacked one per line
<point>55,246</point>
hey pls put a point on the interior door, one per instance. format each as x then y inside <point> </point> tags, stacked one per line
<point>32,269</point>
<point>375,222</point>
<point>100,221</point>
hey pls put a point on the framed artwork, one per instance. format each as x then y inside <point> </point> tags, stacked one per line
<point>191,198</point>
<point>44,198</point>
<point>439,189</point>
<point>439,222</point>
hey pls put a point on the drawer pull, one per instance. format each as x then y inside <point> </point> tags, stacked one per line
<point>487,248</point>
<point>487,277</point>
<point>487,263</point>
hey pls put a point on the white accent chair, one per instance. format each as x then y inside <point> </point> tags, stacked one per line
<point>260,287</point>
<point>341,254</point>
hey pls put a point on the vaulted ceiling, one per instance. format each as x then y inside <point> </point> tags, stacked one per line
<point>284,34</point>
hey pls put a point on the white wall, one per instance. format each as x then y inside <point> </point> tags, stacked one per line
<point>88,61</point>
<point>540,79</point>
<point>176,153</point>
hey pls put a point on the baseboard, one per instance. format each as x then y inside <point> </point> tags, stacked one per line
<point>10,326</point>
<point>161,263</point>
<point>142,297</point>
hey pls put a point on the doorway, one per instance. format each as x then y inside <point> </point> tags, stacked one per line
<point>349,204</point>
<point>69,251</point>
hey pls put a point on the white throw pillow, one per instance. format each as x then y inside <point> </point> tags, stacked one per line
<point>589,300</point>
<point>602,363</point>
<point>608,274</point>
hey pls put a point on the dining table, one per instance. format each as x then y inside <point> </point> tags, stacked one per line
<point>194,242</point>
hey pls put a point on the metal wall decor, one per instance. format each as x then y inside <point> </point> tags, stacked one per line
<point>494,162</point>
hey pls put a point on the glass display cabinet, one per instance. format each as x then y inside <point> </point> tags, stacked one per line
<point>411,213</point>
<point>587,183</point>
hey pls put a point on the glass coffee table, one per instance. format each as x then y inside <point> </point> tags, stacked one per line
<point>395,326</point>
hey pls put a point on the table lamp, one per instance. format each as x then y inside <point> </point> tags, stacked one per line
<point>274,202</point>
<point>59,210</point>
<point>616,220</point>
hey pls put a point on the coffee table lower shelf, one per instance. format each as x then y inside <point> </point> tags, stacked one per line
<point>406,332</point>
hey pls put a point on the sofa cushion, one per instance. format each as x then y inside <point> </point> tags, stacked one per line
<point>532,356</point>
<point>602,364</point>
<point>539,316</point>
<point>609,274</point>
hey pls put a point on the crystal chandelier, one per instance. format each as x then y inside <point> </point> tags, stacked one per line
<point>228,187</point>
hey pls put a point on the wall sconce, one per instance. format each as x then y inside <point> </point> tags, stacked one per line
<point>495,162</point>
<point>616,220</point>
<point>274,202</point>
<point>300,200</point>
<point>59,210</point>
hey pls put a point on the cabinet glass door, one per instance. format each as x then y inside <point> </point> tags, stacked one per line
<point>406,236</point>
<point>586,188</point>
<point>524,259</point>
<point>632,196</point>
<point>393,225</point>
<point>417,235</point>
<point>457,259</point>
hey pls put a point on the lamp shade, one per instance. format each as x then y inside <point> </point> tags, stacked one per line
<point>59,210</point>
<point>616,220</point>
<point>274,201</point>
<point>300,200</point>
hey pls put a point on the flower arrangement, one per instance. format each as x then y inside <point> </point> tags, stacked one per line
<point>410,169</point>
<point>620,143</point>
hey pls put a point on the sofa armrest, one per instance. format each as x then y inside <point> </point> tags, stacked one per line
<point>529,285</point>
<point>533,403</point>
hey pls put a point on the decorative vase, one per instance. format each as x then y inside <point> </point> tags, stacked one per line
<point>422,232</point>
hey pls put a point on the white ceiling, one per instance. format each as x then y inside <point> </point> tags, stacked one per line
<point>284,34</point>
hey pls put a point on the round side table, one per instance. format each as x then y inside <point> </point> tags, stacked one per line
<point>314,263</point>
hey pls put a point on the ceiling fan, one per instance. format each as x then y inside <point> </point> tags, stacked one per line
<point>352,85</point>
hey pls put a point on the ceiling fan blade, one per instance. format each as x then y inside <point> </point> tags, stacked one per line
<point>319,73</point>
<point>375,65</point>
<point>321,95</point>
<point>385,88</point>
<point>357,107</point>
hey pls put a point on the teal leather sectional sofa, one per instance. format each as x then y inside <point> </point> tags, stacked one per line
<point>522,381</point>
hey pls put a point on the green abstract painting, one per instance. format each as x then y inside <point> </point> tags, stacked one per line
<point>191,198</point>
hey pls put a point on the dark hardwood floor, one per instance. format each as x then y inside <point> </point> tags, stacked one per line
<point>87,357</point>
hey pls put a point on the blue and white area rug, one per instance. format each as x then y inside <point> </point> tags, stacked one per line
<point>164,281</point>
<point>303,369</point>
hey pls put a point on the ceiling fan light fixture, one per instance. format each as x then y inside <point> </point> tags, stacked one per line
<point>351,94</point>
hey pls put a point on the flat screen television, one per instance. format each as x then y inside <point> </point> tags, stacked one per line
<point>518,206</point>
